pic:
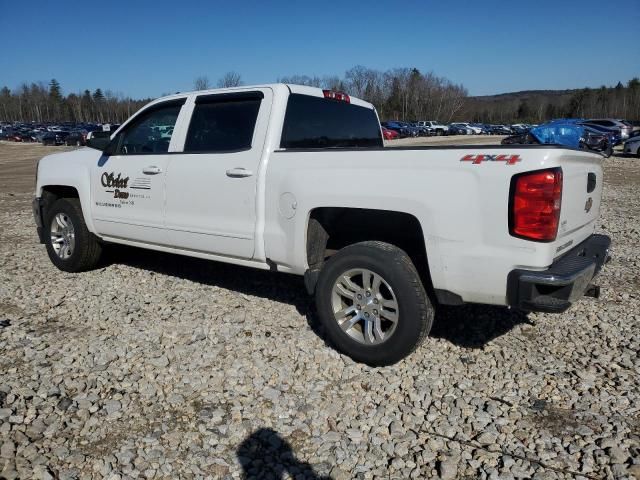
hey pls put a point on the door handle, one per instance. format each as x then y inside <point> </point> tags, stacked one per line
<point>151,170</point>
<point>239,172</point>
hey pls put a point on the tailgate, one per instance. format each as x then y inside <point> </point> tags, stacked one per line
<point>582,182</point>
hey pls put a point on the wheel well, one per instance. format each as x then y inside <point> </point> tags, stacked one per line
<point>51,193</point>
<point>332,228</point>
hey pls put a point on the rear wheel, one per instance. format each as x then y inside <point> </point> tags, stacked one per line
<point>70,245</point>
<point>372,303</point>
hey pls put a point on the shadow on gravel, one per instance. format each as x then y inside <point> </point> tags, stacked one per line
<point>473,326</point>
<point>469,326</point>
<point>265,454</point>
<point>280,287</point>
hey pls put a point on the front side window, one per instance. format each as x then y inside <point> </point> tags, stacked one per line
<point>223,122</point>
<point>316,122</point>
<point>150,132</point>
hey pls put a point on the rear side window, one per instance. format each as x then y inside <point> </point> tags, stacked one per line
<point>223,122</point>
<point>315,122</point>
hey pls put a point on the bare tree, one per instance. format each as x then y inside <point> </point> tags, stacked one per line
<point>301,80</point>
<point>230,79</point>
<point>201,83</point>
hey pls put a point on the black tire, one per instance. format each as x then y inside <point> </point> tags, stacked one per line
<point>415,312</point>
<point>87,250</point>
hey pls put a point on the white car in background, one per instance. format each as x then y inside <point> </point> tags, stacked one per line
<point>472,130</point>
<point>632,146</point>
<point>460,128</point>
<point>435,126</point>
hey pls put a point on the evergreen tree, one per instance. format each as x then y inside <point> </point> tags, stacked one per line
<point>54,90</point>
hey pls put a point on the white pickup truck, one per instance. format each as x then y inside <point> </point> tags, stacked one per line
<point>434,126</point>
<point>296,179</point>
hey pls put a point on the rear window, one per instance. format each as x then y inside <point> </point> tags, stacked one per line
<point>315,122</point>
<point>223,122</point>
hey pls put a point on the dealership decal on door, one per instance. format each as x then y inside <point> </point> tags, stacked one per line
<point>478,159</point>
<point>116,185</point>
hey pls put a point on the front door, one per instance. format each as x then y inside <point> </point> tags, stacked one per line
<point>128,184</point>
<point>211,186</point>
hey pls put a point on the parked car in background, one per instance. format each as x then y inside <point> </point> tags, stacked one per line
<point>413,131</point>
<point>474,130</point>
<point>569,133</point>
<point>632,145</point>
<point>518,128</point>
<point>55,138</point>
<point>624,126</point>
<point>397,127</point>
<point>500,130</point>
<point>484,129</point>
<point>437,127</point>
<point>615,136</point>
<point>389,134</point>
<point>422,130</point>
<point>15,137</point>
<point>77,137</point>
<point>102,131</point>
<point>460,129</point>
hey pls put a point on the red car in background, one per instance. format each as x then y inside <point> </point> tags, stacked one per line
<point>389,134</point>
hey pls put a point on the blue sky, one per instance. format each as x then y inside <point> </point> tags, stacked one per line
<point>147,48</point>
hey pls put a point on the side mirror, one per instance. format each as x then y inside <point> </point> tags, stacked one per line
<point>99,143</point>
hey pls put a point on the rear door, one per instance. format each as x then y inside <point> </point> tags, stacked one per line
<point>127,186</point>
<point>211,185</point>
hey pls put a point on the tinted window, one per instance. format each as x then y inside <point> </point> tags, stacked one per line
<point>151,131</point>
<point>314,122</point>
<point>223,123</point>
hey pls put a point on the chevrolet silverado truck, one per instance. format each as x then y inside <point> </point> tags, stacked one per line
<point>296,179</point>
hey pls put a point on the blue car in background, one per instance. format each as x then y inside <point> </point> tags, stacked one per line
<point>397,127</point>
<point>615,136</point>
<point>568,133</point>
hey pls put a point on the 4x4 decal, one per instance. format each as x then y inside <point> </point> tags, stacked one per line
<point>478,159</point>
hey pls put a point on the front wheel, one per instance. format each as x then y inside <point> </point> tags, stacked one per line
<point>70,245</point>
<point>372,303</point>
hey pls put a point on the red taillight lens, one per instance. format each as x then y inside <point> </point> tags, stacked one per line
<point>343,97</point>
<point>535,205</point>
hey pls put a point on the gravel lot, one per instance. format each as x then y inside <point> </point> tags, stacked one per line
<point>159,366</point>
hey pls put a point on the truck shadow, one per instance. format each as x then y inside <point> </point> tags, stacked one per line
<point>468,326</point>
<point>473,326</point>
<point>265,454</point>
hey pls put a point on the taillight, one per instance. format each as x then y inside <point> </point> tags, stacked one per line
<point>535,202</point>
<point>343,97</point>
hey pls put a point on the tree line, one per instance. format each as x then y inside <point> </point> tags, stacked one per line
<point>398,94</point>
<point>620,101</point>
<point>38,102</point>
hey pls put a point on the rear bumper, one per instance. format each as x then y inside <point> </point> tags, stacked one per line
<point>36,206</point>
<point>564,282</point>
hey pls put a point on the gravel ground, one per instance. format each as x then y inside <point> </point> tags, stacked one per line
<point>159,366</point>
